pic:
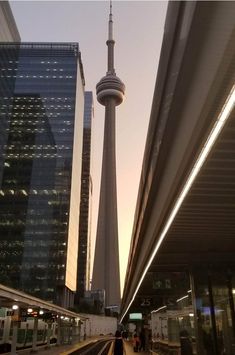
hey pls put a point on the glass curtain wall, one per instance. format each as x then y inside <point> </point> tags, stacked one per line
<point>172,322</point>
<point>37,95</point>
<point>214,306</point>
<point>194,315</point>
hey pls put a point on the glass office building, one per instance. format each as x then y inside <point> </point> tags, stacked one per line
<point>83,275</point>
<point>41,115</point>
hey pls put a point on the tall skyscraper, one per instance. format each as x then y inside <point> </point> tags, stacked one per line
<point>42,105</point>
<point>8,33</point>
<point>8,28</point>
<point>84,249</point>
<point>106,276</point>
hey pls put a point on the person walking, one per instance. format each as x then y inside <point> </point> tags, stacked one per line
<point>136,342</point>
<point>119,347</point>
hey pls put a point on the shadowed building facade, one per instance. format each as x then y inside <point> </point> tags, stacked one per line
<point>84,249</point>
<point>106,276</point>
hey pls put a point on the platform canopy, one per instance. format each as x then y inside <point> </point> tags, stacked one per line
<point>185,213</point>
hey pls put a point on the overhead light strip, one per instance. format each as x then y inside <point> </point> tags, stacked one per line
<point>219,124</point>
<point>182,298</point>
<point>159,309</point>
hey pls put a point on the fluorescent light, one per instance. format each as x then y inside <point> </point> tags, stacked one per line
<point>182,298</point>
<point>159,309</point>
<point>216,129</point>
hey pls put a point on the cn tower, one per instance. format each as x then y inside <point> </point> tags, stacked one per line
<point>106,276</point>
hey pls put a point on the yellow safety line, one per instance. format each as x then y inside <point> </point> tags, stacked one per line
<point>76,347</point>
<point>111,349</point>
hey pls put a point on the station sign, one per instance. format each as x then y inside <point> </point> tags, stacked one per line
<point>162,284</point>
<point>145,302</point>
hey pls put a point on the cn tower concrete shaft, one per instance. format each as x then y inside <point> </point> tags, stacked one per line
<point>106,264</point>
<point>106,275</point>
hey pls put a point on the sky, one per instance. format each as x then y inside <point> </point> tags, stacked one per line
<point>138,31</point>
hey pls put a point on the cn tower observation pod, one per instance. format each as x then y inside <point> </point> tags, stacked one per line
<point>110,86</point>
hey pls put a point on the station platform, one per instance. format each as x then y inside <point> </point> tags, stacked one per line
<point>67,349</point>
<point>130,351</point>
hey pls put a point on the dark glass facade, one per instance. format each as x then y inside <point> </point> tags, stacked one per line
<point>214,296</point>
<point>83,276</point>
<point>41,112</point>
<point>194,311</point>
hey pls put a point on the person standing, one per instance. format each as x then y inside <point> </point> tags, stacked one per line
<point>136,343</point>
<point>118,348</point>
<point>142,340</point>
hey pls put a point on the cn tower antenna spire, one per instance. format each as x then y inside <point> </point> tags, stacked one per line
<point>110,21</point>
<point>110,42</point>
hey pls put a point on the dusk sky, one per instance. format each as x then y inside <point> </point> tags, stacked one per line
<point>138,30</point>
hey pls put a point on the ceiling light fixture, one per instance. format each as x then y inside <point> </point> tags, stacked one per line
<point>159,309</point>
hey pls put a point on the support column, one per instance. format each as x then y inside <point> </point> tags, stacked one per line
<point>84,331</point>
<point>49,325</point>
<point>35,333</point>
<point>197,318</point>
<point>14,338</point>
<point>59,332</point>
<point>79,331</point>
<point>212,310</point>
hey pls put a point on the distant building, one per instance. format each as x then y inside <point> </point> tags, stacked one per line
<point>84,250</point>
<point>8,28</point>
<point>42,106</point>
<point>96,299</point>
